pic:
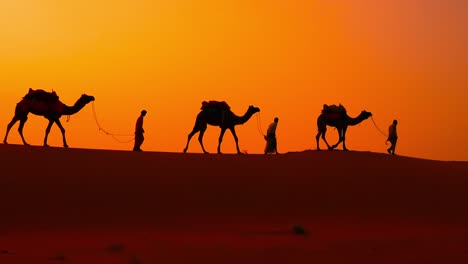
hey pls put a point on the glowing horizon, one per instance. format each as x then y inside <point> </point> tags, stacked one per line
<point>404,60</point>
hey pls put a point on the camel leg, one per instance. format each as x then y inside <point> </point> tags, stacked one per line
<point>340,139</point>
<point>47,131</point>
<point>9,126</point>
<point>20,129</point>
<point>344,139</point>
<point>223,130</point>
<point>59,124</point>
<point>317,138</point>
<point>325,139</point>
<point>322,132</point>
<point>200,138</point>
<point>188,139</point>
<point>233,131</point>
<point>190,135</point>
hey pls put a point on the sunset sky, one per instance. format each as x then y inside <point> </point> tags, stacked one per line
<point>400,59</point>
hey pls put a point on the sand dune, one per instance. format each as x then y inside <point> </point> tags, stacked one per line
<point>98,206</point>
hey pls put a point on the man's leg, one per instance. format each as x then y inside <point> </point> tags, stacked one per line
<point>267,145</point>
<point>276,146</point>
<point>394,142</point>
<point>269,148</point>
<point>138,142</point>
<point>135,143</point>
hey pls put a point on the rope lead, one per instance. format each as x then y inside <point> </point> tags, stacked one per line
<point>259,125</point>
<point>380,130</point>
<point>114,136</point>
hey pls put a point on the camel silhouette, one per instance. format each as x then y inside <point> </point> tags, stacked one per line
<point>52,110</point>
<point>221,117</point>
<point>339,120</point>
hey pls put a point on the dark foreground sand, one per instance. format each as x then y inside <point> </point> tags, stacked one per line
<point>94,206</point>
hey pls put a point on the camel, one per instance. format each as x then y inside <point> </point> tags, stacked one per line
<point>221,117</point>
<point>52,110</point>
<point>340,122</point>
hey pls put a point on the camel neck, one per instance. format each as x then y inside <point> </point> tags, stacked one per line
<point>70,110</point>
<point>355,120</point>
<point>243,119</point>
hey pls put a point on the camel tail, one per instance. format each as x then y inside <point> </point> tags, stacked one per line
<point>19,108</point>
<point>319,119</point>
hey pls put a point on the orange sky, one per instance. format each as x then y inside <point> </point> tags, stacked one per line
<point>403,59</point>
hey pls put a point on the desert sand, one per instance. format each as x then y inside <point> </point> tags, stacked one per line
<point>100,206</point>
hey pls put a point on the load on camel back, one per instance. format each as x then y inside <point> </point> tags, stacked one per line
<point>41,96</point>
<point>334,111</point>
<point>41,100</point>
<point>216,107</point>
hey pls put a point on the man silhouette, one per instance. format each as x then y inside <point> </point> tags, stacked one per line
<point>139,138</point>
<point>392,137</point>
<point>271,143</point>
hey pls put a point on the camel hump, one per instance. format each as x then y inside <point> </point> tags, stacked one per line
<point>220,105</point>
<point>333,109</point>
<point>41,95</point>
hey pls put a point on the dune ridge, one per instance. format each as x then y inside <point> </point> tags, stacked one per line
<point>229,201</point>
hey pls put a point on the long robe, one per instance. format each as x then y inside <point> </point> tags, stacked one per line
<point>271,143</point>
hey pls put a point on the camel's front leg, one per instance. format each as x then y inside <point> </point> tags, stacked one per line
<point>233,131</point>
<point>47,131</point>
<point>340,139</point>
<point>63,132</point>
<point>221,135</point>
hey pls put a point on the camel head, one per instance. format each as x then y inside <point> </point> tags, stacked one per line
<point>364,114</point>
<point>85,99</point>
<point>252,109</point>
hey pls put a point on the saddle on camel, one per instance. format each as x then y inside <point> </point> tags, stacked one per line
<point>41,96</point>
<point>334,111</point>
<point>215,105</point>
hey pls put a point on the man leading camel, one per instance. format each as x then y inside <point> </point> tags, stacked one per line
<point>392,137</point>
<point>271,145</point>
<point>139,138</point>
